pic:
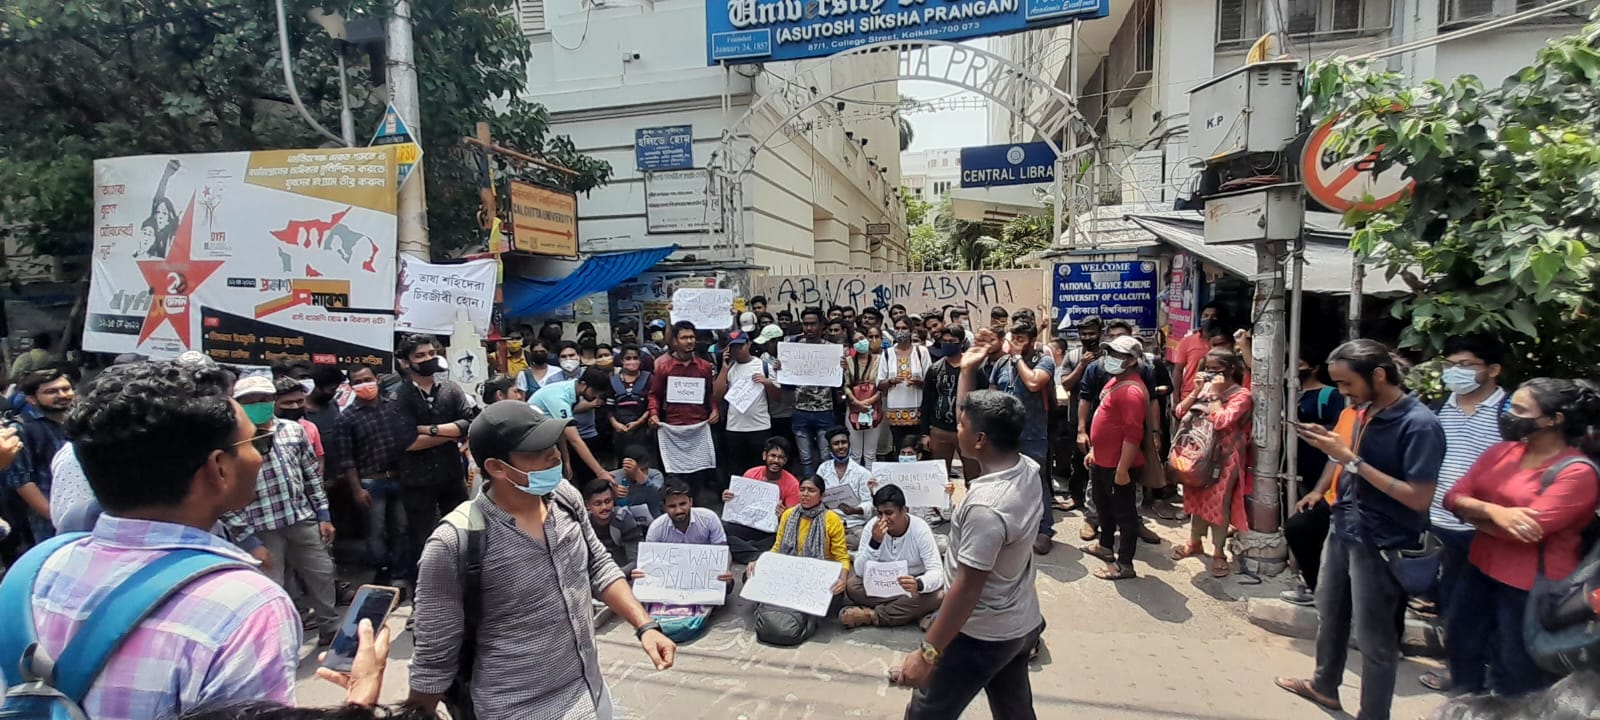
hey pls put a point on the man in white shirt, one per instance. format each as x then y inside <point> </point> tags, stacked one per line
<point>745,378</point>
<point>839,470</point>
<point>895,536</point>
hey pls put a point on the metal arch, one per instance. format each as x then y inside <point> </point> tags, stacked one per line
<point>997,64</point>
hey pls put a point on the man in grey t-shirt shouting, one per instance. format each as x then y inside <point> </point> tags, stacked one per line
<point>990,619</point>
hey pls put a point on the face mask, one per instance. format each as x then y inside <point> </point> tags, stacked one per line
<point>631,365</point>
<point>863,347</point>
<point>602,362</point>
<point>538,482</point>
<point>908,458</point>
<point>292,413</point>
<point>429,366</point>
<point>569,365</point>
<point>539,357</point>
<point>321,397</point>
<point>307,385</point>
<point>887,344</point>
<point>841,457</point>
<point>1461,381</point>
<point>1113,365</point>
<point>259,412</point>
<point>1517,428</point>
<point>366,391</point>
<point>949,349</point>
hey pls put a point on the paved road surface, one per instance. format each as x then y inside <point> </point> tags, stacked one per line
<point>1172,643</point>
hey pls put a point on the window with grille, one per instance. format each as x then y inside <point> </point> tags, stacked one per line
<point>1468,12</point>
<point>1233,20</point>
<point>1240,21</point>
<point>530,16</point>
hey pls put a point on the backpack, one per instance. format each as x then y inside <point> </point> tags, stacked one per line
<point>1195,456</point>
<point>1559,625</point>
<point>469,525</point>
<point>39,687</point>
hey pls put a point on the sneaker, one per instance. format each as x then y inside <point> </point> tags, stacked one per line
<point>1299,596</point>
<point>854,617</point>
<point>927,620</point>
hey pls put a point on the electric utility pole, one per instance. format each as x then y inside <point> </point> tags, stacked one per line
<point>402,70</point>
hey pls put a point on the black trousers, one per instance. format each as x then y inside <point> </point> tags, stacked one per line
<point>1119,511</point>
<point>1306,532</point>
<point>424,505</point>
<point>742,450</point>
<point>997,667</point>
<point>745,544</point>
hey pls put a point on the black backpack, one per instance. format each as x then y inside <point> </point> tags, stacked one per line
<point>469,524</point>
<point>1559,626</point>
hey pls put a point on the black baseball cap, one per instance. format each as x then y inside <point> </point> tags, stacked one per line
<point>512,426</point>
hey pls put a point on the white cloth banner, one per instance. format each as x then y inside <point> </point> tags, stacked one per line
<point>923,482</point>
<point>754,504</point>
<point>681,573</point>
<point>810,364</point>
<point>707,308</point>
<point>882,579</point>
<point>797,583</point>
<point>427,295</point>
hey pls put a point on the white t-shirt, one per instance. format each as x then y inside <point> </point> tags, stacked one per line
<point>917,547</point>
<point>756,417</point>
<point>904,396</point>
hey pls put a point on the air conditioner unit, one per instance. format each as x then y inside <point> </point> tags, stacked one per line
<point>1251,110</point>
<point>1273,212</point>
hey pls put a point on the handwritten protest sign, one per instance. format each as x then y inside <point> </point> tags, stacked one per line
<point>839,494</point>
<point>742,393</point>
<point>923,482</point>
<point>808,364</point>
<point>686,390</point>
<point>681,574</point>
<point>882,579</point>
<point>707,308</point>
<point>427,295</point>
<point>797,583</point>
<point>754,504</point>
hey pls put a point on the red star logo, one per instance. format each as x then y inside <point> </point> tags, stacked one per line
<point>173,280</point>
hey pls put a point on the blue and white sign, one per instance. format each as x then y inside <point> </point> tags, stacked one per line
<point>1112,290</point>
<point>664,148</point>
<point>750,31</point>
<point>1021,164</point>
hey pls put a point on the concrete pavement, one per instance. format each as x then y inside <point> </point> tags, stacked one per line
<point>1173,643</point>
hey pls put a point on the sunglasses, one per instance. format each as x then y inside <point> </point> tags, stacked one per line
<point>262,442</point>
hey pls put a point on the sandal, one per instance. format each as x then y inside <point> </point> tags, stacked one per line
<point>1063,505</point>
<point>1302,687</point>
<point>1089,532</point>
<point>1114,572</point>
<point>1189,550</point>
<point>1436,681</point>
<point>1098,551</point>
<point>1220,567</point>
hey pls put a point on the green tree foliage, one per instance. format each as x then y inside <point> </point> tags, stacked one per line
<point>88,79</point>
<point>1499,235</point>
<point>907,133</point>
<point>1020,236</point>
<point>916,208</point>
<point>964,243</point>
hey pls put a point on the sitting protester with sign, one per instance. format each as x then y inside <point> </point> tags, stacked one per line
<point>807,530</point>
<point>897,539</point>
<point>687,524</point>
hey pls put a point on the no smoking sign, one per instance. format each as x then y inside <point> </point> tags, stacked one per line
<point>1342,182</point>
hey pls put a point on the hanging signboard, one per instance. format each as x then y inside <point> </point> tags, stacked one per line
<point>752,31</point>
<point>1342,182</point>
<point>1112,290</point>
<point>664,148</point>
<point>543,221</point>
<point>393,130</point>
<point>677,201</point>
<point>996,165</point>
<point>427,296</point>
<point>249,257</point>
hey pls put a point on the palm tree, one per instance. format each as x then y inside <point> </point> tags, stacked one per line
<point>907,133</point>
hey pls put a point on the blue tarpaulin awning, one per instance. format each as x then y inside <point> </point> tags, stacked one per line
<point>524,296</point>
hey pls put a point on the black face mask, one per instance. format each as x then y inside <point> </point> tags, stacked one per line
<point>429,367</point>
<point>292,413</point>
<point>320,396</point>
<point>1517,428</point>
<point>539,357</point>
<point>1306,375</point>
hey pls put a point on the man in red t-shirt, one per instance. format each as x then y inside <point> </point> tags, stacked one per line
<point>1114,439</point>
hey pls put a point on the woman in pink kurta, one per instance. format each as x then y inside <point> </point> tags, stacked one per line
<point>1218,393</point>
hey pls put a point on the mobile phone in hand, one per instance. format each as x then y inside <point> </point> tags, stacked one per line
<point>372,602</point>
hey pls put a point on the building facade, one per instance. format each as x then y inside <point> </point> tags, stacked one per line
<point>607,68</point>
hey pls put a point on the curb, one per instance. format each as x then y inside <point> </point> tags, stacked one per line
<point>1420,638</point>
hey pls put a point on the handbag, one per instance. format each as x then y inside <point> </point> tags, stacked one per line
<point>1559,626</point>
<point>1416,568</point>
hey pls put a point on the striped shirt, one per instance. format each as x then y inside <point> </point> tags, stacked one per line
<point>1466,437</point>
<point>288,490</point>
<point>536,658</point>
<point>231,636</point>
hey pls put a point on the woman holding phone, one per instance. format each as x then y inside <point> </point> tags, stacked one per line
<point>1218,395</point>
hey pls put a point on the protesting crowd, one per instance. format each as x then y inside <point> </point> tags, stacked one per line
<point>192,524</point>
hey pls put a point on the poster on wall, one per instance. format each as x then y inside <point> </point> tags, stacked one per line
<point>1112,290</point>
<point>427,295</point>
<point>249,257</point>
<point>1178,299</point>
<point>678,201</point>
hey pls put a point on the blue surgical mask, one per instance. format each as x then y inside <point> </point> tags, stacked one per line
<point>1461,381</point>
<point>1113,365</point>
<point>841,457</point>
<point>862,347</point>
<point>539,482</point>
<point>908,458</point>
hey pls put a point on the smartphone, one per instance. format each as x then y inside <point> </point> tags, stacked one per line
<point>372,602</point>
<point>1297,423</point>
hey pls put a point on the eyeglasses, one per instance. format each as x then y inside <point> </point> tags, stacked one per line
<point>262,442</point>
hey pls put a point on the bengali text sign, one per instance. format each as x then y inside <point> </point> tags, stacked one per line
<point>797,583</point>
<point>707,308</point>
<point>882,579</point>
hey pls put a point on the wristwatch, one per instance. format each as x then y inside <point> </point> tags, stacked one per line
<point>930,653</point>
<point>639,632</point>
<point>433,431</point>
<point>1353,466</point>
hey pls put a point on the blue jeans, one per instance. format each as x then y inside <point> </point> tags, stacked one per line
<point>1454,545</point>
<point>1485,631</point>
<point>810,438</point>
<point>1047,521</point>
<point>386,527</point>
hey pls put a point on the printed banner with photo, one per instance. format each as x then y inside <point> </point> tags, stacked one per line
<point>250,257</point>
<point>428,295</point>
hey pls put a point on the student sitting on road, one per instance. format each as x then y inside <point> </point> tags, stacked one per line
<point>841,469</point>
<point>895,535</point>
<point>684,523</point>
<point>747,543</point>
<point>618,529</point>
<point>806,530</point>
<point>636,484</point>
